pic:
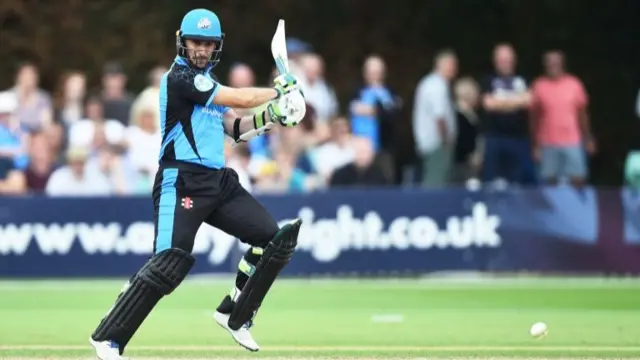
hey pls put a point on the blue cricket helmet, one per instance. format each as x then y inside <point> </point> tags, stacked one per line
<point>204,25</point>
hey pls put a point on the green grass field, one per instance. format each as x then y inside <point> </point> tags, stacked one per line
<point>340,319</point>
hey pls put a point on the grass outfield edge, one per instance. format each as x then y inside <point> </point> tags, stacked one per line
<point>312,358</point>
<point>295,348</point>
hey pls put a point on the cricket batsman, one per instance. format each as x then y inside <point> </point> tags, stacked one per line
<point>193,186</point>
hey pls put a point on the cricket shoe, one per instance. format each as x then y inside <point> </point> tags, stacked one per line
<point>242,336</point>
<point>106,350</point>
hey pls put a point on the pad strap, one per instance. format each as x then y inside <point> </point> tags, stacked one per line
<point>236,129</point>
<point>259,120</point>
<point>246,267</point>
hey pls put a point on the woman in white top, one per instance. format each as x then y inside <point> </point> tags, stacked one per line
<point>143,140</point>
<point>70,96</point>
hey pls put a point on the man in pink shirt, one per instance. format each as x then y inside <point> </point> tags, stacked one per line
<point>560,123</point>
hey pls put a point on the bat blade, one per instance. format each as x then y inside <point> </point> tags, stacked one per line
<point>279,48</point>
<point>279,52</point>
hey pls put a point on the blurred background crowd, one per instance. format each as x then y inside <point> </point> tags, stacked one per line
<point>497,128</point>
<point>388,104</point>
<point>403,112</point>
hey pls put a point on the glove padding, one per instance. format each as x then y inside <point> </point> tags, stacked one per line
<point>288,110</point>
<point>285,84</point>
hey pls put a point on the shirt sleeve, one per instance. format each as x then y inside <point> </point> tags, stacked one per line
<point>46,100</point>
<point>583,98</point>
<point>431,100</point>
<point>420,112</point>
<point>423,114</point>
<point>520,84</point>
<point>193,87</point>
<point>54,187</point>
<point>368,97</point>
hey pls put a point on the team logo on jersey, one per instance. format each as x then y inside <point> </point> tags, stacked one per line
<point>203,83</point>
<point>187,203</point>
<point>204,23</point>
<point>212,111</point>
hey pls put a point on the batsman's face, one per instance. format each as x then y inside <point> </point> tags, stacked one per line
<point>200,51</point>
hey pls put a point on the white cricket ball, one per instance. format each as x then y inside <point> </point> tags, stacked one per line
<point>539,330</point>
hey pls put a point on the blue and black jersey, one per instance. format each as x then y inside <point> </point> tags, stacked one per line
<point>192,126</point>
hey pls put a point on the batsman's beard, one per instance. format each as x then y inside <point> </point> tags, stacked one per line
<point>200,58</point>
<point>200,61</point>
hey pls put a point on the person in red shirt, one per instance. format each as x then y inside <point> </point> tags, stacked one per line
<point>560,123</point>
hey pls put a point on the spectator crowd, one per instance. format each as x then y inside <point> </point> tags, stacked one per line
<point>498,129</point>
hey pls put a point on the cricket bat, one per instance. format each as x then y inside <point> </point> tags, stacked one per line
<point>279,52</point>
<point>279,49</point>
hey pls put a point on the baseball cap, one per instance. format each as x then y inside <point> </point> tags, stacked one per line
<point>8,102</point>
<point>77,153</point>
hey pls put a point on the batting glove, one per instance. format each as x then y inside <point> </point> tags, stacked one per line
<point>285,84</point>
<point>276,114</point>
<point>288,110</point>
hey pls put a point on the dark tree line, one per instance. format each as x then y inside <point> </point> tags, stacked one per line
<point>597,36</point>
